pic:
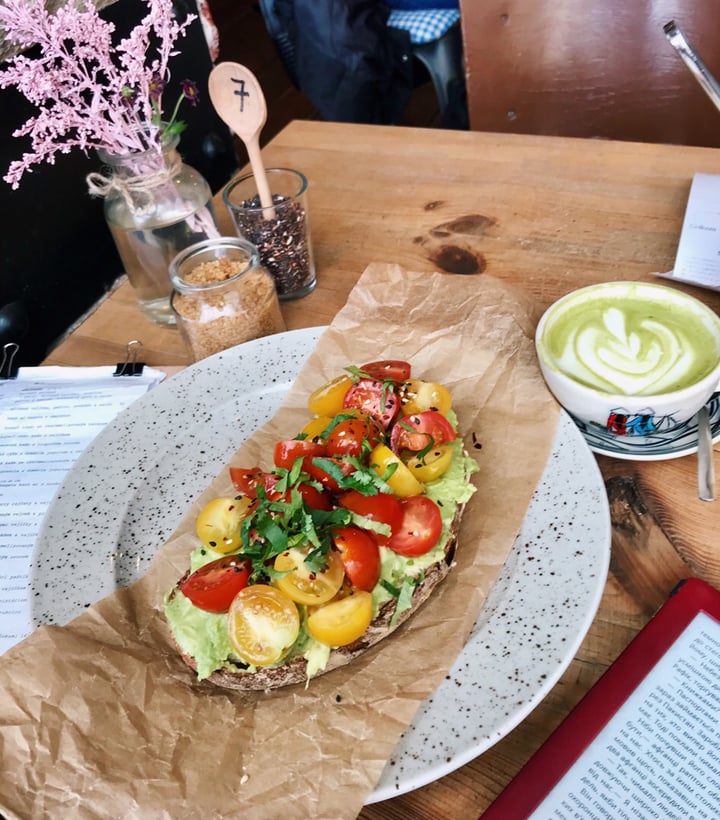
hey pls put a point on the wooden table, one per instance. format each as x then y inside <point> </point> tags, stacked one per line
<point>547,213</point>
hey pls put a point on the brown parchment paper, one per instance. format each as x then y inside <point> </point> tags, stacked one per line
<point>100,718</point>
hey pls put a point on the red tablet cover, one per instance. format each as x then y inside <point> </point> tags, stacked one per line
<point>667,750</point>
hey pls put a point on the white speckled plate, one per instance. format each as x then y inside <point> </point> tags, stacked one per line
<point>130,488</point>
<point>673,442</point>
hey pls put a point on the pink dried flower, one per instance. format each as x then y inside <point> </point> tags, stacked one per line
<point>89,92</point>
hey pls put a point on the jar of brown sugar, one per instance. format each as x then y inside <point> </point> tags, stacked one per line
<point>223,296</point>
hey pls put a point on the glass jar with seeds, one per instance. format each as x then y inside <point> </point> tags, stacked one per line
<point>223,296</point>
<point>280,232</point>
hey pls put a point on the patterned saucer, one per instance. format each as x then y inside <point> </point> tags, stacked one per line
<point>673,442</point>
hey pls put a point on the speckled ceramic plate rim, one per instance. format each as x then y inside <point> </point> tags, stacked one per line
<point>522,639</point>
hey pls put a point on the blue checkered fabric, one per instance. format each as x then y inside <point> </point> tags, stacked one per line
<point>424,26</point>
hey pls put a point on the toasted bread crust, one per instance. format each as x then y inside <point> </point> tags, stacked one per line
<point>295,670</point>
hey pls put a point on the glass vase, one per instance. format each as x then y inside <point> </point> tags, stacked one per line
<point>155,206</point>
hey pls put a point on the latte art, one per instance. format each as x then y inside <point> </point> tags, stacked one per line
<point>630,346</point>
<point>620,354</point>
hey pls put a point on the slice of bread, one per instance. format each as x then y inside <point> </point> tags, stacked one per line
<point>295,670</point>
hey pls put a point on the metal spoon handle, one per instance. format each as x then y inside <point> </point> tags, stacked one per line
<point>693,62</point>
<point>706,467</point>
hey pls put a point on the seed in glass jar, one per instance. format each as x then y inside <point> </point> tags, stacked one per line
<point>282,242</point>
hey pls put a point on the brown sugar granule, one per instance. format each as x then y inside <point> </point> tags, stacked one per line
<point>216,270</point>
<point>215,319</point>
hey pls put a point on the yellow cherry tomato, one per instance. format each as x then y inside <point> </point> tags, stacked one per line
<point>328,399</point>
<point>219,521</point>
<point>433,464</point>
<point>263,623</point>
<point>315,427</point>
<point>402,481</point>
<point>303,585</point>
<point>341,622</point>
<point>420,395</point>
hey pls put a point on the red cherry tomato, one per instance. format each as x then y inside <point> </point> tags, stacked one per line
<point>348,437</point>
<point>314,498</point>
<point>286,452</point>
<point>246,480</point>
<point>213,586</point>
<point>360,556</point>
<point>420,527</point>
<point>420,430</point>
<point>317,469</point>
<point>383,507</point>
<point>375,398</point>
<point>395,370</point>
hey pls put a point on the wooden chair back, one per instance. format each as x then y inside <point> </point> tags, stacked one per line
<point>584,68</point>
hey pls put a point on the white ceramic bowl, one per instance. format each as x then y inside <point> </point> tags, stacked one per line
<point>631,336</point>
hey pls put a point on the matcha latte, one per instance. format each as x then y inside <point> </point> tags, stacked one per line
<point>632,357</point>
<point>634,340</point>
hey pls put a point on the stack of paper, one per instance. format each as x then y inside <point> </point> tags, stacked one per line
<point>48,416</point>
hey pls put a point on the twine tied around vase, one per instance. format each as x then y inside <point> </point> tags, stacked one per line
<point>135,190</point>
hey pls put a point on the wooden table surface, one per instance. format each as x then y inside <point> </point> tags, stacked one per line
<point>551,215</point>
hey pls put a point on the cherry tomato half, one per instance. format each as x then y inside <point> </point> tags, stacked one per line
<point>305,586</point>
<point>402,481</point>
<point>263,623</point>
<point>432,465</point>
<point>218,523</point>
<point>360,556</point>
<point>417,431</point>
<point>321,470</point>
<point>341,622</point>
<point>420,528</point>
<point>246,480</point>
<point>349,436</point>
<point>419,395</point>
<point>314,499</point>
<point>214,585</point>
<point>395,370</point>
<point>328,399</point>
<point>375,398</point>
<point>383,507</point>
<point>286,452</point>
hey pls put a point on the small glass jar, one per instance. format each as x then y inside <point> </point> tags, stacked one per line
<point>281,231</point>
<point>223,296</point>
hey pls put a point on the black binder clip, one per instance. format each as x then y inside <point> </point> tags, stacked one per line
<point>7,368</point>
<point>131,366</point>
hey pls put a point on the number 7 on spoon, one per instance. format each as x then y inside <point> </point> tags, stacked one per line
<point>240,103</point>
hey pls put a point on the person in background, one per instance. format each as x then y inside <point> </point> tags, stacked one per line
<point>351,66</point>
<point>415,5</point>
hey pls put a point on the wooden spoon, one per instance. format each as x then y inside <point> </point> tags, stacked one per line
<point>239,101</point>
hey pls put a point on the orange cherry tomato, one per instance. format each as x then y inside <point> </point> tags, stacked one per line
<point>419,395</point>
<point>303,585</point>
<point>341,622</point>
<point>328,399</point>
<point>402,481</point>
<point>263,623</point>
<point>218,523</point>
